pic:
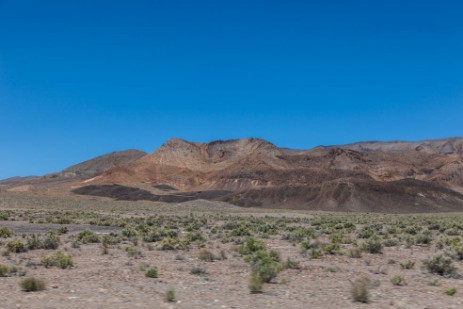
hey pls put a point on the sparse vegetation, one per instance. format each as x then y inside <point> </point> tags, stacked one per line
<point>277,249</point>
<point>32,284</point>
<point>5,232</point>
<point>409,264</point>
<point>152,272</point>
<point>440,264</point>
<point>398,280</point>
<point>170,295</point>
<point>58,259</point>
<point>451,291</point>
<point>360,290</point>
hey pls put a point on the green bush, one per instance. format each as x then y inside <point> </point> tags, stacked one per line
<point>5,232</point>
<point>423,239</point>
<point>16,246</point>
<point>451,291</point>
<point>398,280</point>
<point>391,243</point>
<point>173,243</point>
<point>51,241</point>
<point>32,285</point>
<point>58,259</point>
<point>132,251</point>
<point>250,246</point>
<point>407,264</point>
<point>440,264</point>
<point>63,230</point>
<point>266,271</point>
<point>315,253</point>
<point>87,237</point>
<point>265,264</point>
<point>152,272</point>
<point>333,249</point>
<point>290,264</point>
<point>373,245</point>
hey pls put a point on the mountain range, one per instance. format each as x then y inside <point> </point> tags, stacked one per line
<point>397,176</point>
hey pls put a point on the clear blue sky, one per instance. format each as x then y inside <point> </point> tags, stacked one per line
<point>82,78</point>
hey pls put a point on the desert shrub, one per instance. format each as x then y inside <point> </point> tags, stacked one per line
<point>250,246</point>
<point>129,232</point>
<point>33,242</point>
<point>355,253</point>
<point>451,291</point>
<point>152,272</point>
<point>170,295</point>
<point>63,230</point>
<point>263,256</point>
<point>434,282</point>
<point>10,270</point>
<point>412,230</point>
<point>452,232</point>
<point>173,243</point>
<point>365,232</point>
<point>267,271</point>
<point>110,239</point>
<point>132,251</point>
<point>153,236</point>
<point>423,239</point>
<point>32,285</point>
<point>398,280</point>
<point>360,290</point>
<point>51,241</point>
<point>198,271</point>
<point>299,234</point>
<point>194,236</point>
<point>265,264</point>
<point>306,245</point>
<point>391,243</point>
<point>58,259</point>
<point>373,245</point>
<point>290,264</point>
<point>87,237</point>
<point>16,246</point>
<point>240,231</point>
<point>440,264</point>
<point>5,232</point>
<point>206,255</point>
<point>255,284</point>
<point>334,249</point>
<point>407,264</point>
<point>316,253</point>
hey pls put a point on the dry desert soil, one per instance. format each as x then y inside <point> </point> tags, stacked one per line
<point>98,253</point>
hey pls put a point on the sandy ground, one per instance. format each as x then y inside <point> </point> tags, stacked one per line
<point>116,280</point>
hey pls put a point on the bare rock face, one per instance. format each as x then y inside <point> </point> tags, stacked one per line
<point>367,176</point>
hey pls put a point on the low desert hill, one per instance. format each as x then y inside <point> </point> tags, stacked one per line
<point>79,172</point>
<point>367,176</point>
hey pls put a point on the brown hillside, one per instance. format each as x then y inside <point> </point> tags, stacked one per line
<point>389,177</point>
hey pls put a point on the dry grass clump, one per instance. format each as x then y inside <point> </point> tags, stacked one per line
<point>360,290</point>
<point>32,284</point>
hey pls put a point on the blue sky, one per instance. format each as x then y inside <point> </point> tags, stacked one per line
<point>82,78</point>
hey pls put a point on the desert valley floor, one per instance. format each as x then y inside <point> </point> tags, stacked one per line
<point>98,253</point>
